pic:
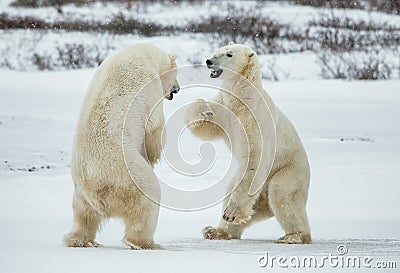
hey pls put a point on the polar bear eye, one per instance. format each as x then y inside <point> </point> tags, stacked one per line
<point>229,55</point>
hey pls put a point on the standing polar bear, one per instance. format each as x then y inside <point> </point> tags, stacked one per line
<point>273,175</point>
<point>117,142</point>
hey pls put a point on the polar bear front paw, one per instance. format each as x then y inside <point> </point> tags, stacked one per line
<point>207,115</point>
<point>236,214</point>
<point>212,233</point>
<point>204,110</point>
<point>199,110</point>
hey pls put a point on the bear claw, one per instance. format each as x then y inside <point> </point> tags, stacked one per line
<point>208,115</point>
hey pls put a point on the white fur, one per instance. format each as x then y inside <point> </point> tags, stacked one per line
<point>285,188</point>
<point>103,186</point>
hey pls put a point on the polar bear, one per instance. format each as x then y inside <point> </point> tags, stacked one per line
<point>117,142</point>
<point>273,162</point>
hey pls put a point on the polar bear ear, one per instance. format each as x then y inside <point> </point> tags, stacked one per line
<point>172,57</point>
<point>231,43</point>
<point>251,54</point>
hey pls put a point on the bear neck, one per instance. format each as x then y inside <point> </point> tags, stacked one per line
<point>246,87</point>
<point>249,76</point>
<point>245,84</point>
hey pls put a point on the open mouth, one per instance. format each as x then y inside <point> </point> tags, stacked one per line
<point>215,73</point>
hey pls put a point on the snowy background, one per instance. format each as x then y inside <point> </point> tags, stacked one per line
<point>314,67</point>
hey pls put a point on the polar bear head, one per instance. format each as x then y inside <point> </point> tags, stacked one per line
<point>168,74</point>
<point>231,61</point>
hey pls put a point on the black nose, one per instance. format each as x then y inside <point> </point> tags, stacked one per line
<point>175,89</point>
<point>209,62</point>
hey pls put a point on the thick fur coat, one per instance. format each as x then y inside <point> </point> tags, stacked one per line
<point>117,142</point>
<point>273,175</point>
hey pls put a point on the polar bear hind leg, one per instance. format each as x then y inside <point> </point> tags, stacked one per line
<point>139,230</point>
<point>287,201</point>
<point>86,223</point>
<point>140,216</point>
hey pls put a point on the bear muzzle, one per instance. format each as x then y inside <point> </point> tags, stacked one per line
<point>215,70</point>
<point>174,90</point>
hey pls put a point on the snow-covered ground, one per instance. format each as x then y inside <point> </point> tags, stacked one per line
<point>350,130</point>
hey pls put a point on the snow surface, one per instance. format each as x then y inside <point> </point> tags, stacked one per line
<point>350,130</point>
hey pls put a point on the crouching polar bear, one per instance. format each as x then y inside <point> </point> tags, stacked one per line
<point>115,149</point>
<point>273,175</point>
